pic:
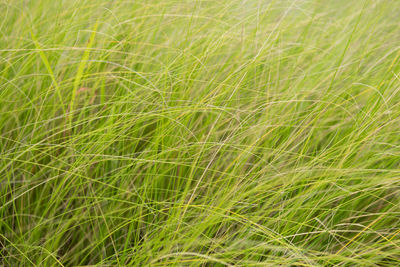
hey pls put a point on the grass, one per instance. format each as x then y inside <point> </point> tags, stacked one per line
<point>199,133</point>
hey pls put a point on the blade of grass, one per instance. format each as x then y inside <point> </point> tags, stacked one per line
<point>80,71</point>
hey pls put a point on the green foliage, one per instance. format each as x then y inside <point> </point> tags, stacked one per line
<point>199,133</point>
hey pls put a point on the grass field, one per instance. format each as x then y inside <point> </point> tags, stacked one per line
<point>200,133</point>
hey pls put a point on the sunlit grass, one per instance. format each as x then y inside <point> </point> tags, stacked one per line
<point>199,133</point>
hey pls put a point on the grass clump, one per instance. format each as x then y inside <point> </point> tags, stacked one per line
<point>199,133</point>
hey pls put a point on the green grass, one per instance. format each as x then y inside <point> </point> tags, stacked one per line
<point>200,133</point>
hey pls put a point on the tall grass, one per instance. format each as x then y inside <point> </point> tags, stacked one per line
<point>199,133</point>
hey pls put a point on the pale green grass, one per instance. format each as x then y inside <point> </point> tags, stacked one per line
<point>199,133</point>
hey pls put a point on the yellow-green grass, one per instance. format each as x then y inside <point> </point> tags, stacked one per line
<point>199,133</point>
